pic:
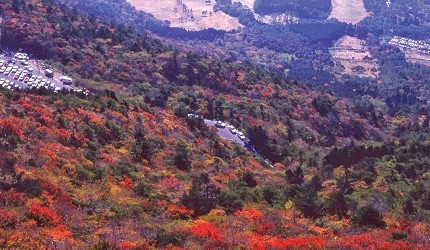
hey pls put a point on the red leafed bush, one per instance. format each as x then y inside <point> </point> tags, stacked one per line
<point>44,216</point>
<point>8,218</point>
<point>251,214</point>
<point>206,230</point>
<point>12,198</point>
<point>257,241</point>
<point>127,182</point>
<point>170,183</point>
<point>312,242</point>
<point>11,126</point>
<point>264,227</point>
<point>176,212</point>
<point>376,240</point>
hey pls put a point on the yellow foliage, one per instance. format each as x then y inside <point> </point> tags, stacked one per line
<point>321,231</point>
<point>339,172</point>
<point>288,205</point>
<point>166,173</point>
<point>123,150</point>
<point>215,216</point>
<point>69,168</point>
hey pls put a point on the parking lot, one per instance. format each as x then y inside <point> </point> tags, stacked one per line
<point>18,72</point>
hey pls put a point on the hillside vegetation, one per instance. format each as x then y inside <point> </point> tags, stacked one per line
<point>126,168</point>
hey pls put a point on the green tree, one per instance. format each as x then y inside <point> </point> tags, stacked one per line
<point>181,158</point>
<point>203,195</point>
<point>368,216</point>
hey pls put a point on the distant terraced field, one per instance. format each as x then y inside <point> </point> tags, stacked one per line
<point>349,11</point>
<point>353,58</point>
<point>188,14</point>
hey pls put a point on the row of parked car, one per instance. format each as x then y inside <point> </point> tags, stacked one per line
<point>232,129</point>
<point>7,84</point>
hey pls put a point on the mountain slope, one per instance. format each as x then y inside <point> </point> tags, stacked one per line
<point>126,167</point>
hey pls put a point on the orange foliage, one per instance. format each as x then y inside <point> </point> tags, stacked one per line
<point>127,182</point>
<point>44,216</point>
<point>11,126</point>
<point>375,240</point>
<point>264,227</point>
<point>321,231</point>
<point>176,212</point>
<point>59,232</point>
<point>251,214</point>
<point>264,242</point>
<point>312,242</point>
<point>8,218</point>
<point>206,230</point>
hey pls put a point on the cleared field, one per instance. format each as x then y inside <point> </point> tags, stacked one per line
<point>349,11</point>
<point>352,58</point>
<point>249,3</point>
<point>188,14</point>
<point>417,57</point>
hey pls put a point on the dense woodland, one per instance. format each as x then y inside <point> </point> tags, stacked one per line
<point>125,168</point>
<point>318,9</point>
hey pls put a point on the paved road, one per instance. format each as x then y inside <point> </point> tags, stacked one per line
<point>225,133</point>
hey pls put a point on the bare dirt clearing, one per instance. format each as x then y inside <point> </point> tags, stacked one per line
<point>249,3</point>
<point>188,14</point>
<point>349,11</point>
<point>417,57</point>
<point>352,57</point>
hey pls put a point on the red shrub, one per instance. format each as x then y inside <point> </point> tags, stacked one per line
<point>176,212</point>
<point>12,198</point>
<point>170,183</point>
<point>44,216</point>
<point>8,218</point>
<point>205,229</point>
<point>251,214</point>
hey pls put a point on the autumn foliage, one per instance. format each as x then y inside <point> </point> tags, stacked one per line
<point>44,216</point>
<point>205,230</point>
<point>126,168</point>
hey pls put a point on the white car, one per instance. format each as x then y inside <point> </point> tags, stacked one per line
<point>241,135</point>
<point>233,131</point>
<point>220,124</point>
<point>2,69</point>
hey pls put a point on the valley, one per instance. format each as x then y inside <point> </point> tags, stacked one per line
<point>293,131</point>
